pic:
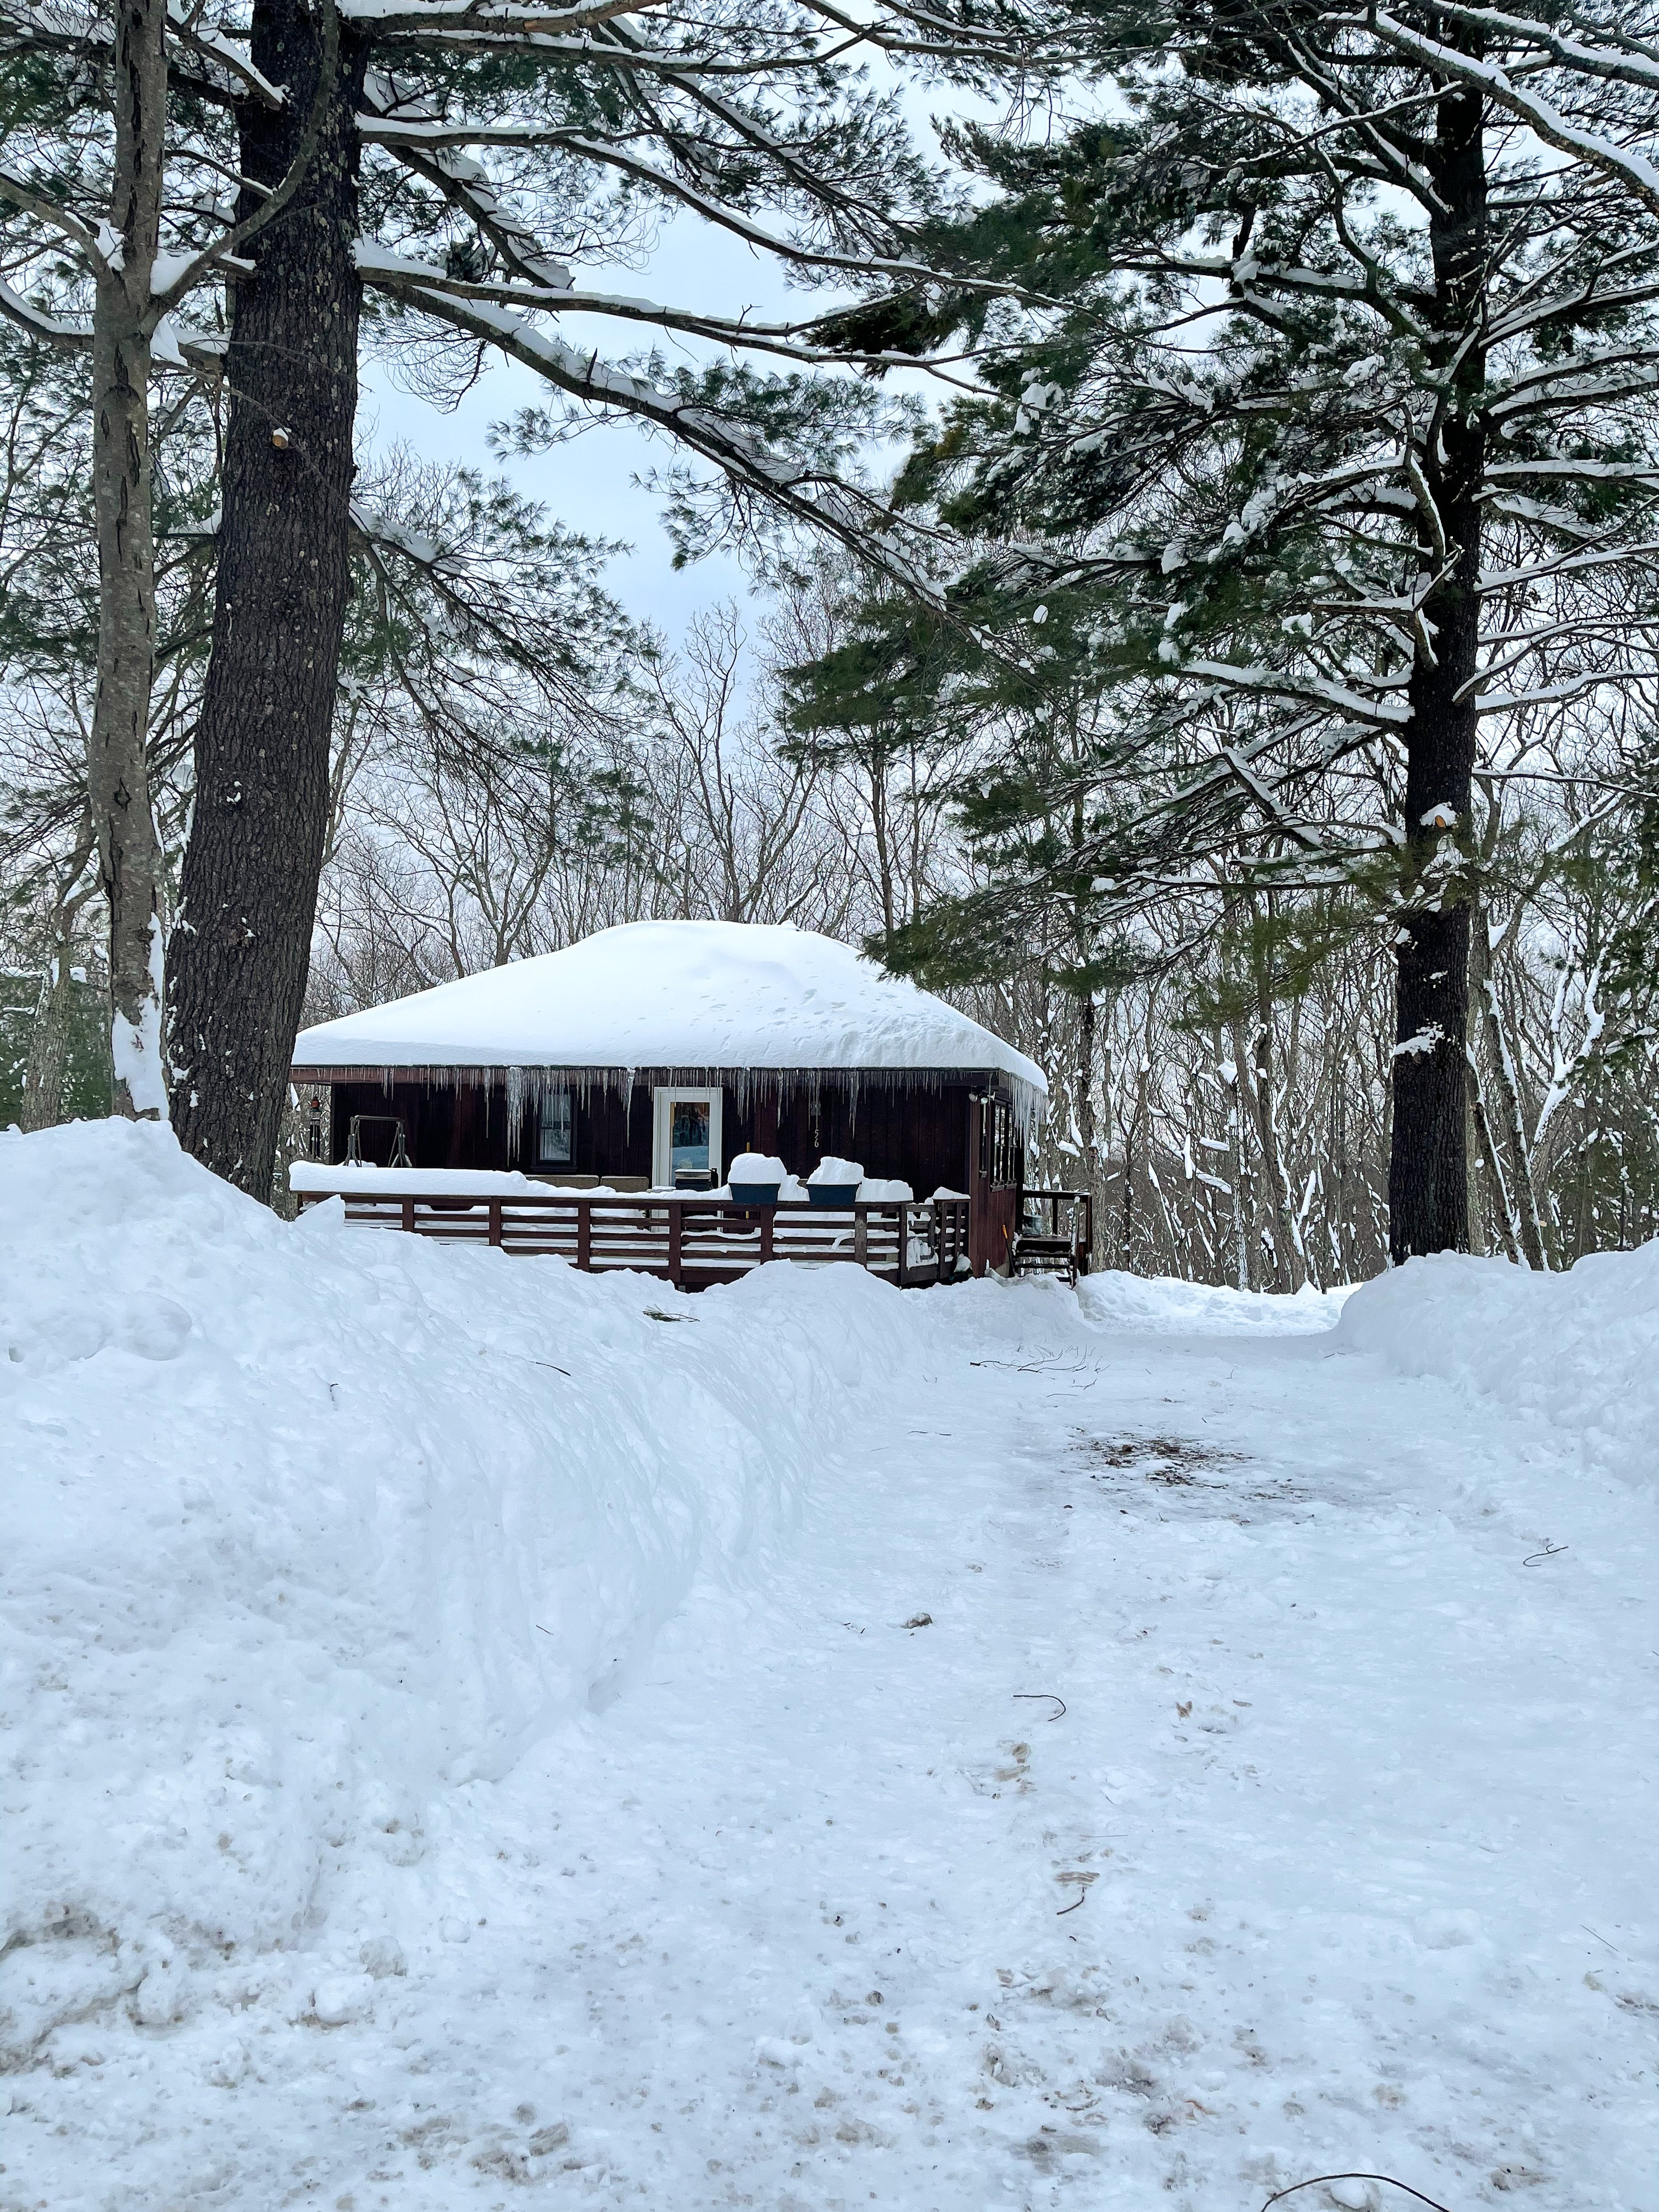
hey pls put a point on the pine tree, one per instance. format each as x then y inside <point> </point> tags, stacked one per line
<point>1327,421</point>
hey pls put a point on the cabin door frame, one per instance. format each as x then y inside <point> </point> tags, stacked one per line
<point>665,1097</point>
<point>993,1211</point>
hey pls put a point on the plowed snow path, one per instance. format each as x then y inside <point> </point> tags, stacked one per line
<point>1338,1855</point>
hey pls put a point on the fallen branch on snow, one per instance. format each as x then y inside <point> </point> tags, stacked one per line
<point>1314,2181</point>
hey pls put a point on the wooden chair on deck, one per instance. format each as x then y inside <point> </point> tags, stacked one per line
<point>1042,1245</point>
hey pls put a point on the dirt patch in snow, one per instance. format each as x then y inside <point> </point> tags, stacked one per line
<point>1179,1465</point>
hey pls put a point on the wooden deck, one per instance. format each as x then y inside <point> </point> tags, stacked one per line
<point>689,1241</point>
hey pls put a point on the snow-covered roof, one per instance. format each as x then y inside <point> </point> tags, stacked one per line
<point>678,995</point>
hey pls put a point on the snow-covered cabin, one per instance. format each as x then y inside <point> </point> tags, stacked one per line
<point>649,1055</point>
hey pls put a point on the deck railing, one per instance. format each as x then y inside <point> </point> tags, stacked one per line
<point>687,1241</point>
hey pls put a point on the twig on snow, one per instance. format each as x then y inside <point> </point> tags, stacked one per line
<point>1042,1697</point>
<point>1314,2180</point>
<point>1551,1551</point>
<point>1079,1366</point>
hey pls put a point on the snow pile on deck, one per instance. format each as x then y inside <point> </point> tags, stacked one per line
<point>1577,1353</point>
<point>693,994</point>
<point>306,1525</point>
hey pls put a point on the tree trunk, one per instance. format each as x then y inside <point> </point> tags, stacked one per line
<point>1522,1224</point>
<point>1087,1022</point>
<point>1104,1132</point>
<point>1488,1152</point>
<point>1287,1275</point>
<point>117,777</point>
<point>1246,1211</point>
<point>1428,1170</point>
<point>880,833</point>
<point>42,1106</point>
<point>241,950</point>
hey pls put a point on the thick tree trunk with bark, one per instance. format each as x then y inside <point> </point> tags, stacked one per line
<point>1428,1169</point>
<point>240,952</point>
<point>118,779</point>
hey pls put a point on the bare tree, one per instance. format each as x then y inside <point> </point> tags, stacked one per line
<point>748,832</point>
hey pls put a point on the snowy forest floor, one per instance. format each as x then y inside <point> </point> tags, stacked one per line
<point>1168,1754</point>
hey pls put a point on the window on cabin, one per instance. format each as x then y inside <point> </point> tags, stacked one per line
<point>553,1131</point>
<point>996,1143</point>
<point>689,1139</point>
<point>316,1103</point>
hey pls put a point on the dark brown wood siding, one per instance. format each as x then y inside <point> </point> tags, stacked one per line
<point>469,1125</point>
<point>917,1133</point>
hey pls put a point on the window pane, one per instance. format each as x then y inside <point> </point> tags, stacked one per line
<point>553,1149</point>
<point>689,1135</point>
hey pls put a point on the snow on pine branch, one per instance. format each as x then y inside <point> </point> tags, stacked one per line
<point>414,130</point>
<point>1551,123</point>
<point>784,341</point>
<point>232,69</point>
<point>810,494</point>
<point>439,18</point>
<point>71,335</point>
<point>462,180</point>
<point>1626,60</point>
<point>815,34</point>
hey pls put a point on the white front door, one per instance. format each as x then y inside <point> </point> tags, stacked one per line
<point>686,1153</point>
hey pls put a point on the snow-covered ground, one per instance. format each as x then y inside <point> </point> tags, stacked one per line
<point>479,1735</point>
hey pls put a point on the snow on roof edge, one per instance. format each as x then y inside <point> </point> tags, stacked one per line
<point>760,998</point>
<point>528,1078</point>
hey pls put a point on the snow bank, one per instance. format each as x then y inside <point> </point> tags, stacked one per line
<point>1577,1352</point>
<point>1164,1305</point>
<point>305,1525</point>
